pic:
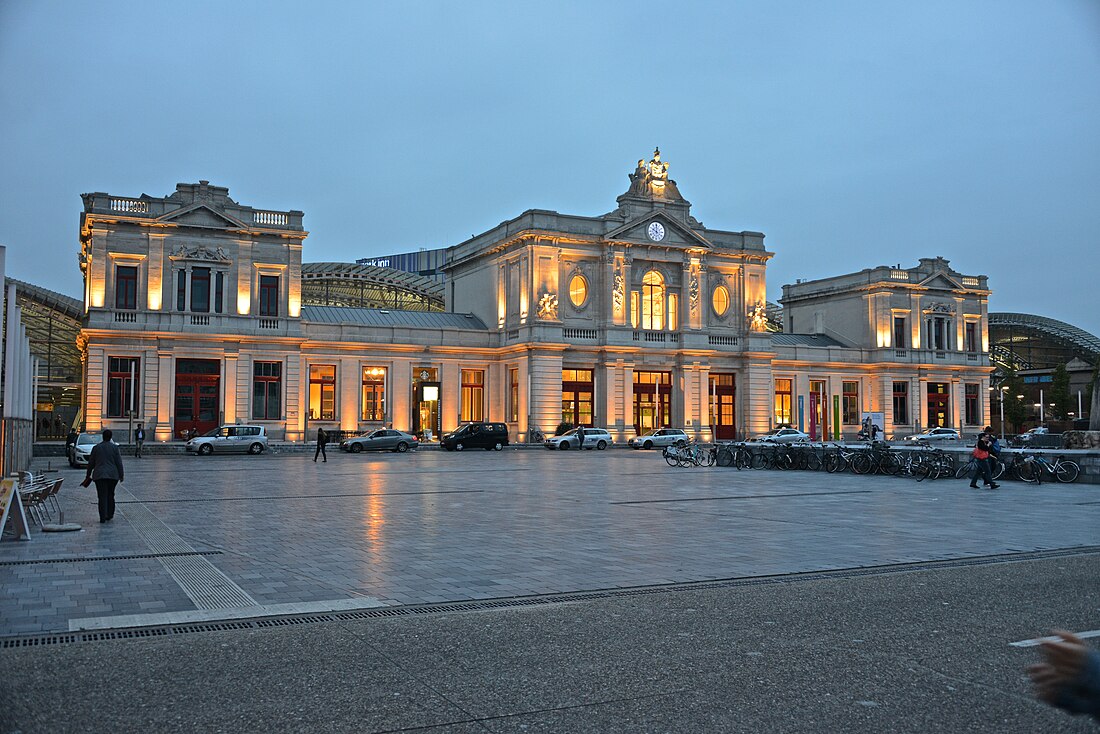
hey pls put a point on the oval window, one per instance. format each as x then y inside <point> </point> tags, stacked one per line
<point>578,290</point>
<point>721,300</point>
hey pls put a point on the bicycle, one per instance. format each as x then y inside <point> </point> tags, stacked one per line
<point>967,470</point>
<point>1063,470</point>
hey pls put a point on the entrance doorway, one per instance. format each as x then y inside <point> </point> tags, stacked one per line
<point>819,410</point>
<point>939,405</point>
<point>652,401</point>
<point>197,396</point>
<point>576,397</point>
<point>427,392</point>
<point>723,392</point>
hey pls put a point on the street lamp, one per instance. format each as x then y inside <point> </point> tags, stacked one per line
<point>1001,393</point>
<point>1040,407</point>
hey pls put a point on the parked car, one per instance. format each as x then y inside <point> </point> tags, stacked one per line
<point>230,440</point>
<point>85,442</point>
<point>383,439</point>
<point>659,437</point>
<point>1026,436</point>
<point>783,435</point>
<point>486,436</point>
<point>594,438</point>
<point>936,434</point>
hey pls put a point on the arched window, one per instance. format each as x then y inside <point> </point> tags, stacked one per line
<point>721,300</point>
<point>578,290</point>
<point>653,301</point>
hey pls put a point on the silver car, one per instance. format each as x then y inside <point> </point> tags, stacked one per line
<point>384,439</point>
<point>230,440</point>
<point>783,435</point>
<point>936,434</point>
<point>594,438</point>
<point>659,437</point>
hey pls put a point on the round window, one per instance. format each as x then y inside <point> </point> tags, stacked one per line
<point>721,300</point>
<point>578,290</point>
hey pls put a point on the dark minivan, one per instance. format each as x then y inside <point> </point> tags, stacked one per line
<point>486,436</point>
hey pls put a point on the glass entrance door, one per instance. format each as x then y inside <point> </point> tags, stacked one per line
<point>427,393</point>
<point>819,410</point>
<point>652,401</point>
<point>723,391</point>
<point>198,391</point>
<point>939,405</point>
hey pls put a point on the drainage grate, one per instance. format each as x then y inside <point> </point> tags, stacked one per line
<point>110,558</point>
<point>530,601</point>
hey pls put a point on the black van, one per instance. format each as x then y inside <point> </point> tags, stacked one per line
<point>486,436</point>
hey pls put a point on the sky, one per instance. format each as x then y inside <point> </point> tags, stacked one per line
<point>853,134</point>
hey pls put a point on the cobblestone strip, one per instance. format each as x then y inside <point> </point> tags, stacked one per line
<point>204,584</point>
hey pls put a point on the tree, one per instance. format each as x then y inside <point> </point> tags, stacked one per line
<point>1015,408</point>
<point>1059,393</point>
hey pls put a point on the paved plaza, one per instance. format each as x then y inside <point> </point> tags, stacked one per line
<point>211,538</point>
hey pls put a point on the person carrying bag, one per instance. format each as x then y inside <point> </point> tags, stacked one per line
<point>106,470</point>
<point>981,462</point>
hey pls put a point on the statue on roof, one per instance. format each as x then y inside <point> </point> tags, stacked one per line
<point>651,179</point>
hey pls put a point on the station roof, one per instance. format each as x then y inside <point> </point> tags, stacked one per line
<point>804,340</point>
<point>391,317</point>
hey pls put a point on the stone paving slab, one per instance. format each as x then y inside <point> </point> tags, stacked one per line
<point>435,526</point>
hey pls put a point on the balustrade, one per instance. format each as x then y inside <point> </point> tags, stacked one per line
<point>274,218</point>
<point>130,206</point>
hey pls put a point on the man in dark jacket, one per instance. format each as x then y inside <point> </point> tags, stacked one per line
<point>105,469</point>
<point>322,439</point>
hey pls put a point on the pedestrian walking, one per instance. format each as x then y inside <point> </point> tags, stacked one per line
<point>982,462</point>
<point>322,439</point>
<point>105,469</point>
<point>580,437</point>
<point>139,440</point>
<point>70,445</point>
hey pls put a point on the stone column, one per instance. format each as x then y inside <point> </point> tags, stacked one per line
<point>626,373</point>
<point>166,375</point>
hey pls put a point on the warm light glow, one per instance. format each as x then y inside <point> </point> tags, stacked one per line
<point>96,293</point>
<point>721,300</point>
<point>883,336</point>
<point>578,290</point>
<point>294,305</point>
<point>244,301</point>
<point>154,292</point>
<point>431,392</point>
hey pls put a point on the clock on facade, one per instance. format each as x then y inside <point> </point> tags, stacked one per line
<point>656,231</point>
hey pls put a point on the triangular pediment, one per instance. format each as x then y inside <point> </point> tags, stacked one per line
<point>941,281</point>
<point>201,215</point>
<point>676,233</point>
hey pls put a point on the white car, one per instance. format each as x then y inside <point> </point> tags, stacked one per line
<point>936,434</point>
<point>659,437</point>
<point>230,440</point>
<point>85,442</point>
<point>594,438</point>
<point>783,435</point>
<point>1026,436</point>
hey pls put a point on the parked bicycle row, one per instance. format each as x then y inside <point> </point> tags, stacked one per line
<point>921,462</point>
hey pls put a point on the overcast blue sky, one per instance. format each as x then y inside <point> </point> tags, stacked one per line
<point>852,134</point>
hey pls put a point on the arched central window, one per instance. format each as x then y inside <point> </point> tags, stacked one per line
<point>653,301</point>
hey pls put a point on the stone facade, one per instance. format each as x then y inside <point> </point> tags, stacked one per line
<point>638,318</point>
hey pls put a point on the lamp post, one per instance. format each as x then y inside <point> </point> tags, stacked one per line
<point>1001,394</point>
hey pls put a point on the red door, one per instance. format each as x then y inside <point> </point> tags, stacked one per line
<point>197,396</point>
<point>939,405</point>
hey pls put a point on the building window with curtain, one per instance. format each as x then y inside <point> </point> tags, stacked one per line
<point>513,394</point>
<point>971,336</point>
<point>267,391</point>
<point>374,394</point>
<point>269,295</point>
<point>973,406</point>
<point>900,340</point>
<point>126,277</point>
<point>901,402</point>
<point>473,387</point>
<point>181,290</point>
<point>850,403</point>
<point>200,290</point>
<point>783,401</point>
<point>322,392</point>
<point>219,292</point>
<point>653,301</point>
<point>122,394</point>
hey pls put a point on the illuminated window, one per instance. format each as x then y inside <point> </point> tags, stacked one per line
<point>634,309</point>
<point>374,394</point>
<point>576,397</point>
<point>721,300</point>
<point>473,391</point>
<point>653,301</point>
<point>850,403</point>
<point>578,290</point>
<point>673,310</point>
<point>122,397</point>
<point>267,391</point>
<point>322,392</point>
<point>513,394</point>
<point>782,401</point>
<point>126,287</point>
